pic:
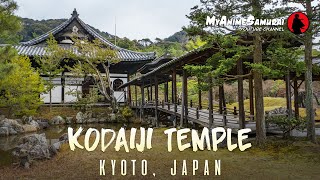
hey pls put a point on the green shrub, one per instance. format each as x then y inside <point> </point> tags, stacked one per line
<point>286,124</point>
<point>127,112</point>
<point>85,103</point>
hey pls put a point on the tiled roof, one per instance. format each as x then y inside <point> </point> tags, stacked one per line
<point>31,48</point>
<point>123,54</point>
<point>155,63</point>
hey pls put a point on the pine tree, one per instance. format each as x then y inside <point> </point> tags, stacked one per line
<point>9,26</point>
<point>50,65</point>
<point>239,9</point>
<point>21,88</point>
<point>89,59</point>
<point>312,9</point>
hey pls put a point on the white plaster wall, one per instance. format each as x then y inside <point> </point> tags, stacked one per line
<point>68,98</point>
<point>71,84</point>
<point>119,95</point>
<point>56,95</point>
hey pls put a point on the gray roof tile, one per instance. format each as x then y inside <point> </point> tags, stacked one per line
<point>32,47</point>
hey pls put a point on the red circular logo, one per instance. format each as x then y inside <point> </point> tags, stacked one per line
<point>298,23</point>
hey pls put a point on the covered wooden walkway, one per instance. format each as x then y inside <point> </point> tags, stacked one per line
<point>184,112</point>
<point>196,116</point>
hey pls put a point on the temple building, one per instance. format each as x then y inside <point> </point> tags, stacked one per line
<point>130,61</point>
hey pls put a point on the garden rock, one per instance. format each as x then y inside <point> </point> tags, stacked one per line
<point>33,147</point>
<point>102,120</point>
<point>54,148</point>
<point>43,124</point>
<point>29,128</point>
<point>64,137</point>
<point>2,117</point>
<point>278,111</point>
<point>57,146</point>
<point>12,131</point>
<point>34,123</point>
<point>69,120</point>
<point>4,131</point>
<point>112,117</point>
<point>80,118</point>
<point>10,123</point>
<point>92,120</point>
<point>58,120</point>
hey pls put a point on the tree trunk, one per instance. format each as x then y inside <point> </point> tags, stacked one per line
<point>308,79</point>
<point>258,92</point>
<point>257,77</point>
<point>242,118</point>
<point>210,98</point>
<point>288,95</point>
<point>296,98</point>
<point>251,99</point>
<point>50,97</point>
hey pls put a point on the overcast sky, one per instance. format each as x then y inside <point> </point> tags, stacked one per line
<point>136,19</point>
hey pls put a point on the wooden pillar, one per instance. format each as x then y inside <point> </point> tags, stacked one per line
<point>199,97</point>
<point>251,97</point>
<point>185,79</point>
<point>166,92</point>
<point>221,98</point>
<point>63,84</point>
<point>224,104</point>
<point>240,95</point>
<point>136,94</point>
<point>296,98</point>
<point>151,89</point>
<point>288,95</point>
<point>142,101</point>
<point>184,104</point>
<point>129,91</point>
<point>210,98</point>
<point>148,94</point>
<point>174,86</point>
<point>156,91</point>
<point>174,95</point>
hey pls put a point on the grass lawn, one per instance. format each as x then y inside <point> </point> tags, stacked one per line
<point>280,159</point>
<point>271,103</point>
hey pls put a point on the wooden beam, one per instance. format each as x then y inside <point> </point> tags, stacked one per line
<point>156,91</point>
<point>296,98</point>
<point>251,97</point>
<point>240,95</point>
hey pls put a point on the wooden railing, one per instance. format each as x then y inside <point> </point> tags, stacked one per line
<point>195,112</point>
